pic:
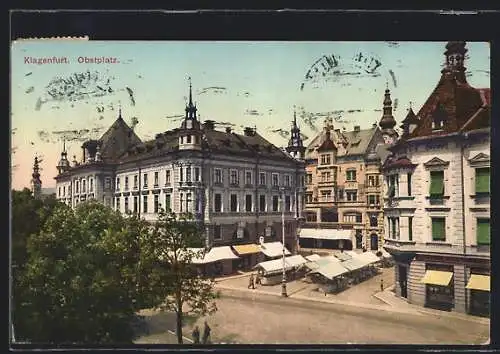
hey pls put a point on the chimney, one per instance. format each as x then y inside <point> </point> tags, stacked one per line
<point>228,130</point>
<point>209,125</point>
<point>357,128</point>
<point>249,131</point>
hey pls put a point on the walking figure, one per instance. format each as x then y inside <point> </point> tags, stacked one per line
<point>251,283</point>
<point>196,335</point>
<point>381,284</point>
<point>258,279</point>
<point>206,333</point>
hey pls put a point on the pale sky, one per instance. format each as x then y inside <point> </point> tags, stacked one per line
<point>241,83</point>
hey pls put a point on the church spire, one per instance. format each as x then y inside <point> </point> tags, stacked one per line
<point>63,164</point>
<point>190,107</point>
<point>295,145</point>
<point>36,183</point>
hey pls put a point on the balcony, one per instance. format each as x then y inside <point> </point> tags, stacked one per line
<point>351,185</point>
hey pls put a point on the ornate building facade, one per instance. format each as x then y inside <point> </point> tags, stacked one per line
<point>344,185</point>
<point>437,201</point>
<point>236,185</point>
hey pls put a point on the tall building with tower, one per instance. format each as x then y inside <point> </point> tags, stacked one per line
<point>437,200</point>
<point>235,184</point>
<point>36,182</point>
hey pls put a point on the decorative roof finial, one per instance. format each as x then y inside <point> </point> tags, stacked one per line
<point>190,92</point>
<point>120,111</point>
<point>410,105</point>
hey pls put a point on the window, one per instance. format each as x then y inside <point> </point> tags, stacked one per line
<point>309,198</point>
<point>168,199</point>
<point>64,191</point>
<point>248,202</point>
<point>156,203</point>
<point>325,159</point>
<point>59,192</point>
<point>373,220</point>
<point>136,181</point>
<point>262,178</point>
<point>181,202</point>
<point>145,204</point>
<point>262,203</point>
<point>483,180</point>
<point>483,232</point>
<point>217,202</point>
<point>181,174</point>
<point>218,175</point>
<point>117,185</point>
<point>126,183</point>
<point>156,177</point>
<point>188,139</point>
<point>189,200</point>
<point>275,178</point>
<point>188,174</point>
<point>217,232</point>
<point>234,202</point>
<point>288,204</point>
<point>371,181</point>
<point>136,204</point>
<point>410,228</point>
<point>234,177</point>
<point>409,184</point>
<point>69,189</point>
<point>118,203</point>
<point>340,194</point>
<point>167,177</point>
<point>84,189</point>
<point>287,180</point>
<point>197,174</point>
<point>438,229</point>
<point>437,184</point>
<point>372,199</point>
<point>275,202</point>
<point>309,178</point>
<point>351,175</point>
<point>326,196</point>
<point>325,176</point>
<point>352,196</point>
<point>393,186</point>
<point>126,204</point>
<point>393,224</point>
<point>248,178</point>
<point>107,183</point>
<point>438,118</point>
<point>352,218</point>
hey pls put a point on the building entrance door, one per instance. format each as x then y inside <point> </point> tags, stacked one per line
<point>403,277</point>
<point>359,239</point>
<point>374,242</point>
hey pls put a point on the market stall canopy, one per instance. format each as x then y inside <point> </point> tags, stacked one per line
<point>354,264</point>
<point>313,257</point>
<point>479,282</point>
<point>326,234</point>
<point>246,249</point>
<point>273,249</point>
<point>295,261</point>
<point>368,257</point>
<point>343,256</point>
<point>273,265</point>
<point>216,254</point>
<point>331,270</point>
<point>437,277</point>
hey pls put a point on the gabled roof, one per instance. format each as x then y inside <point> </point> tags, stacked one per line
<point>400,162</point>
<point>436,161</point>
<point>117,139</point>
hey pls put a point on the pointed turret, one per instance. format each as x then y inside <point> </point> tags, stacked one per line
<point>63,164</point>
<point>387,123</point>
<point>36,183</point>
<point>455,57</point>
<point>409,123</point>
<point>295,146</point>
<point>190,132</point>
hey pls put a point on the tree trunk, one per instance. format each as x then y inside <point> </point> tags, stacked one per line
<point>179,320</point>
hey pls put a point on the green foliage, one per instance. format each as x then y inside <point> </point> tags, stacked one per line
<point>174,240</point>
<point>85,278</point>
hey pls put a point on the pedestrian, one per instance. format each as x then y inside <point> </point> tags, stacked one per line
<point>196,335</point>
<point>206,333</point>
<point>251,283</point>
<point>257,279</point>
<point>382,284</point>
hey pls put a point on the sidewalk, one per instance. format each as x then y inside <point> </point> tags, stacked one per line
<point>392,300</point>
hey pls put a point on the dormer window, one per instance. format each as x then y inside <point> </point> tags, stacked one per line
<point>438,118</point>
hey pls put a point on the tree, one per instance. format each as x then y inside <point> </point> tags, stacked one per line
<point>85,278</point>
<point>177,240</point>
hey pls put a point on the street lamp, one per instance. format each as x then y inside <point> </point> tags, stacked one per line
<point>283,280</point>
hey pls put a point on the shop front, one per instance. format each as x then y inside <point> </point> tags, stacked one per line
<point>248,256</point>
<point>439,288</point>
<point>479,290</point>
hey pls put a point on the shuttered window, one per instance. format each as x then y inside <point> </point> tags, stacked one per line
<point>438,229</point>
<point>483,231</point>
<point>437,184</point>
<point>483,180</point>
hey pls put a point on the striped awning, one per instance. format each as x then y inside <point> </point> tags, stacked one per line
<point>479,282</point>
<point>437,277</point>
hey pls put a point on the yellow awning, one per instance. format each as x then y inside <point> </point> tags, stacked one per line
<point>247,249</point>
<point>437,277</point>
<point>479,282</point>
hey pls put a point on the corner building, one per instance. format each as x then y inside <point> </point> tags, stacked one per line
<point>234,184</point>
<point>437,200</point>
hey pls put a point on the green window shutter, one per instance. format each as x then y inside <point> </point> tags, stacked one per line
<point>437,183</point>
<point>483,231</point>
<point>482,180</point>
<point>438,229</point>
